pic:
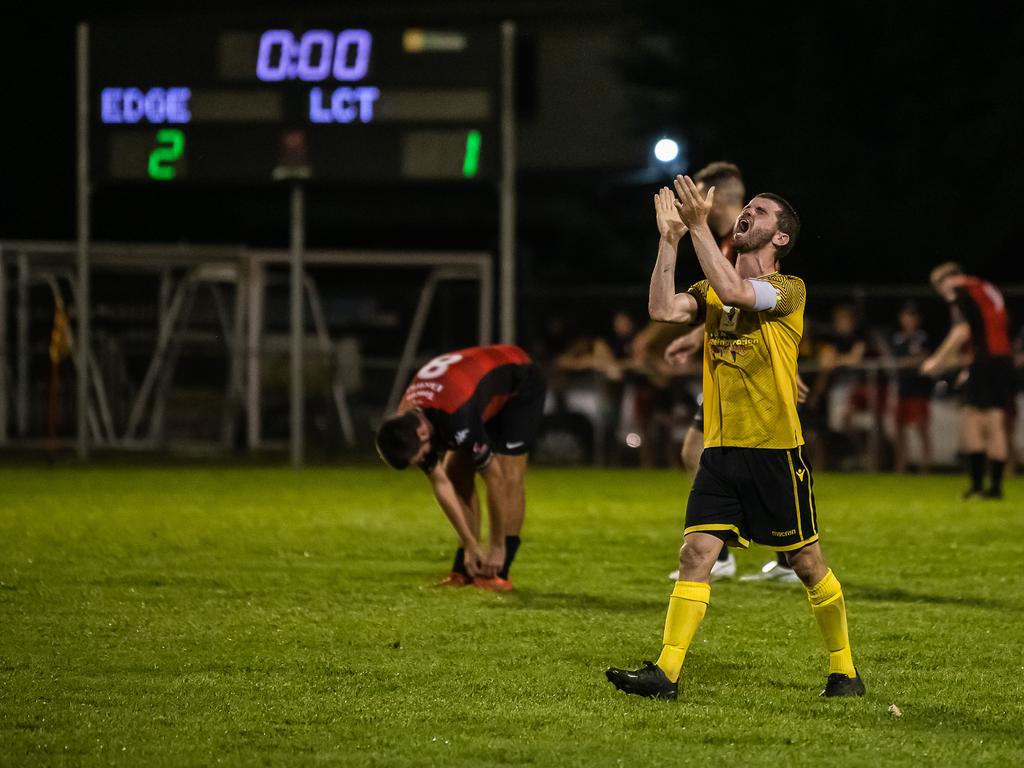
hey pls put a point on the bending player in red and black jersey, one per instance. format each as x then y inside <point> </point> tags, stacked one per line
<point>980,323</point>
<point>472,410</point>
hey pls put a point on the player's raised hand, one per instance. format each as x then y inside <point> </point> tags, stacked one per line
<point>670,226</point>
<point>693,207</point>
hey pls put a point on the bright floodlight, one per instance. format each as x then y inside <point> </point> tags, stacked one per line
<point>666,150</point>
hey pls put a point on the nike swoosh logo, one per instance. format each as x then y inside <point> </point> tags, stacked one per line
<point>515,445</point>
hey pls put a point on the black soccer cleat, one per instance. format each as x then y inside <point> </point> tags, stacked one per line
<point>647,681</point>
<point>839,684</point>
<point>992,493</point>
<point>972,493</point>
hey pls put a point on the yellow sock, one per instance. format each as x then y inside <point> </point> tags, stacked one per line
<point>686,609</point>
<point>829,610</point>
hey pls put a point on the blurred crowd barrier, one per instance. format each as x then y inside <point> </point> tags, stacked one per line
<point>182,339</point>
<point>615,399</point>
<point>861,424</point>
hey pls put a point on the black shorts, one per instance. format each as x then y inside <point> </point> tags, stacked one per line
<point>764,495</point>
<point>989,384</point>
<point>512,431</point>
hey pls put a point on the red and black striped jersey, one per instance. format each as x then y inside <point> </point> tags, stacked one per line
<point>459,391</point>
<point>981,306</point>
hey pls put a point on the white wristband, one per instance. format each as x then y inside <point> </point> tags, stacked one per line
<point>765,295</point>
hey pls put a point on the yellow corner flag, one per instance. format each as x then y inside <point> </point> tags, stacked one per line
<point>60,337</point>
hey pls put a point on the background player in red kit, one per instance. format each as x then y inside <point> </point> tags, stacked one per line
<point>980,322</point>
<point>472,410</point>
<point>730,197</point>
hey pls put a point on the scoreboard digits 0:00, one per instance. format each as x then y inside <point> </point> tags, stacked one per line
<point>185,102</point>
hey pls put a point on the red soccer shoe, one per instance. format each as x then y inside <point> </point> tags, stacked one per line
<point>454,579</point>
<point>497,584</point>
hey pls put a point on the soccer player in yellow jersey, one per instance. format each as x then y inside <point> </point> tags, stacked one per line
<point>754,482</point>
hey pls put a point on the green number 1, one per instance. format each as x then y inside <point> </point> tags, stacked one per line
<point>170,146</point>
<point>471,160</point>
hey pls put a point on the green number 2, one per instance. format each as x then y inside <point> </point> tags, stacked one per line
<point>170,146</point>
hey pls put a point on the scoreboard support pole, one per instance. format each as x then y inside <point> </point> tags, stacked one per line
<point>298,245</point>
<point>507,204</point>
<point>21,318</point>
<point>255,279</point>
<point>82,348</point>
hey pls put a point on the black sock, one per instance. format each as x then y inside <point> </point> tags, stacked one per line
<point>723,555</point>
<point>782,560</point>
<point>511,547</point>
<point>459,566</point>
<point>976,465</point>
<point>995,469</point>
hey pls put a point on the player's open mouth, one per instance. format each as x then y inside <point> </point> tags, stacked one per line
<point>742,226</point>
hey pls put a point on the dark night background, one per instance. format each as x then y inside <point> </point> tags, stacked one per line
<point>896,132</point>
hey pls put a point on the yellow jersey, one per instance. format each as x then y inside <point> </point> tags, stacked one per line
<point>750,367</point>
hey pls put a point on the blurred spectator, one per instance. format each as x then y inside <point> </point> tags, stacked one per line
<point>813,412</point>
<point>577,411</point>
<point>549,346</point>
<point>643,398</point>
<point>658,390</point>
<point>634,403</point>
<point>610,355</point>
<point>908,348</point>
<point>607,353</point>
<point>834,349</point>
<point>842,392</point>
<point>553,340</point>
<point>636,387</point>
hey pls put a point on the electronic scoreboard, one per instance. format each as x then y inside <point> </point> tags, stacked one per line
<point>199,102</point>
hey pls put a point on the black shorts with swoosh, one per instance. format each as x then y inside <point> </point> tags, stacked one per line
<point>513,430</point>
<point>760,495</point>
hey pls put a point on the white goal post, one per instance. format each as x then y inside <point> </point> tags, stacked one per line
<point>242,324</point>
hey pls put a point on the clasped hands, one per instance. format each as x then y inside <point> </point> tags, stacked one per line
<point>686,209</point>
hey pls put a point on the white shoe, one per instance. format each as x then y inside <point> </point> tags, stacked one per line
<point>772,571</point>
<point>722,569</point>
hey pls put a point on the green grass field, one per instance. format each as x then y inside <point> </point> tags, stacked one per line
<point>267,617</point>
